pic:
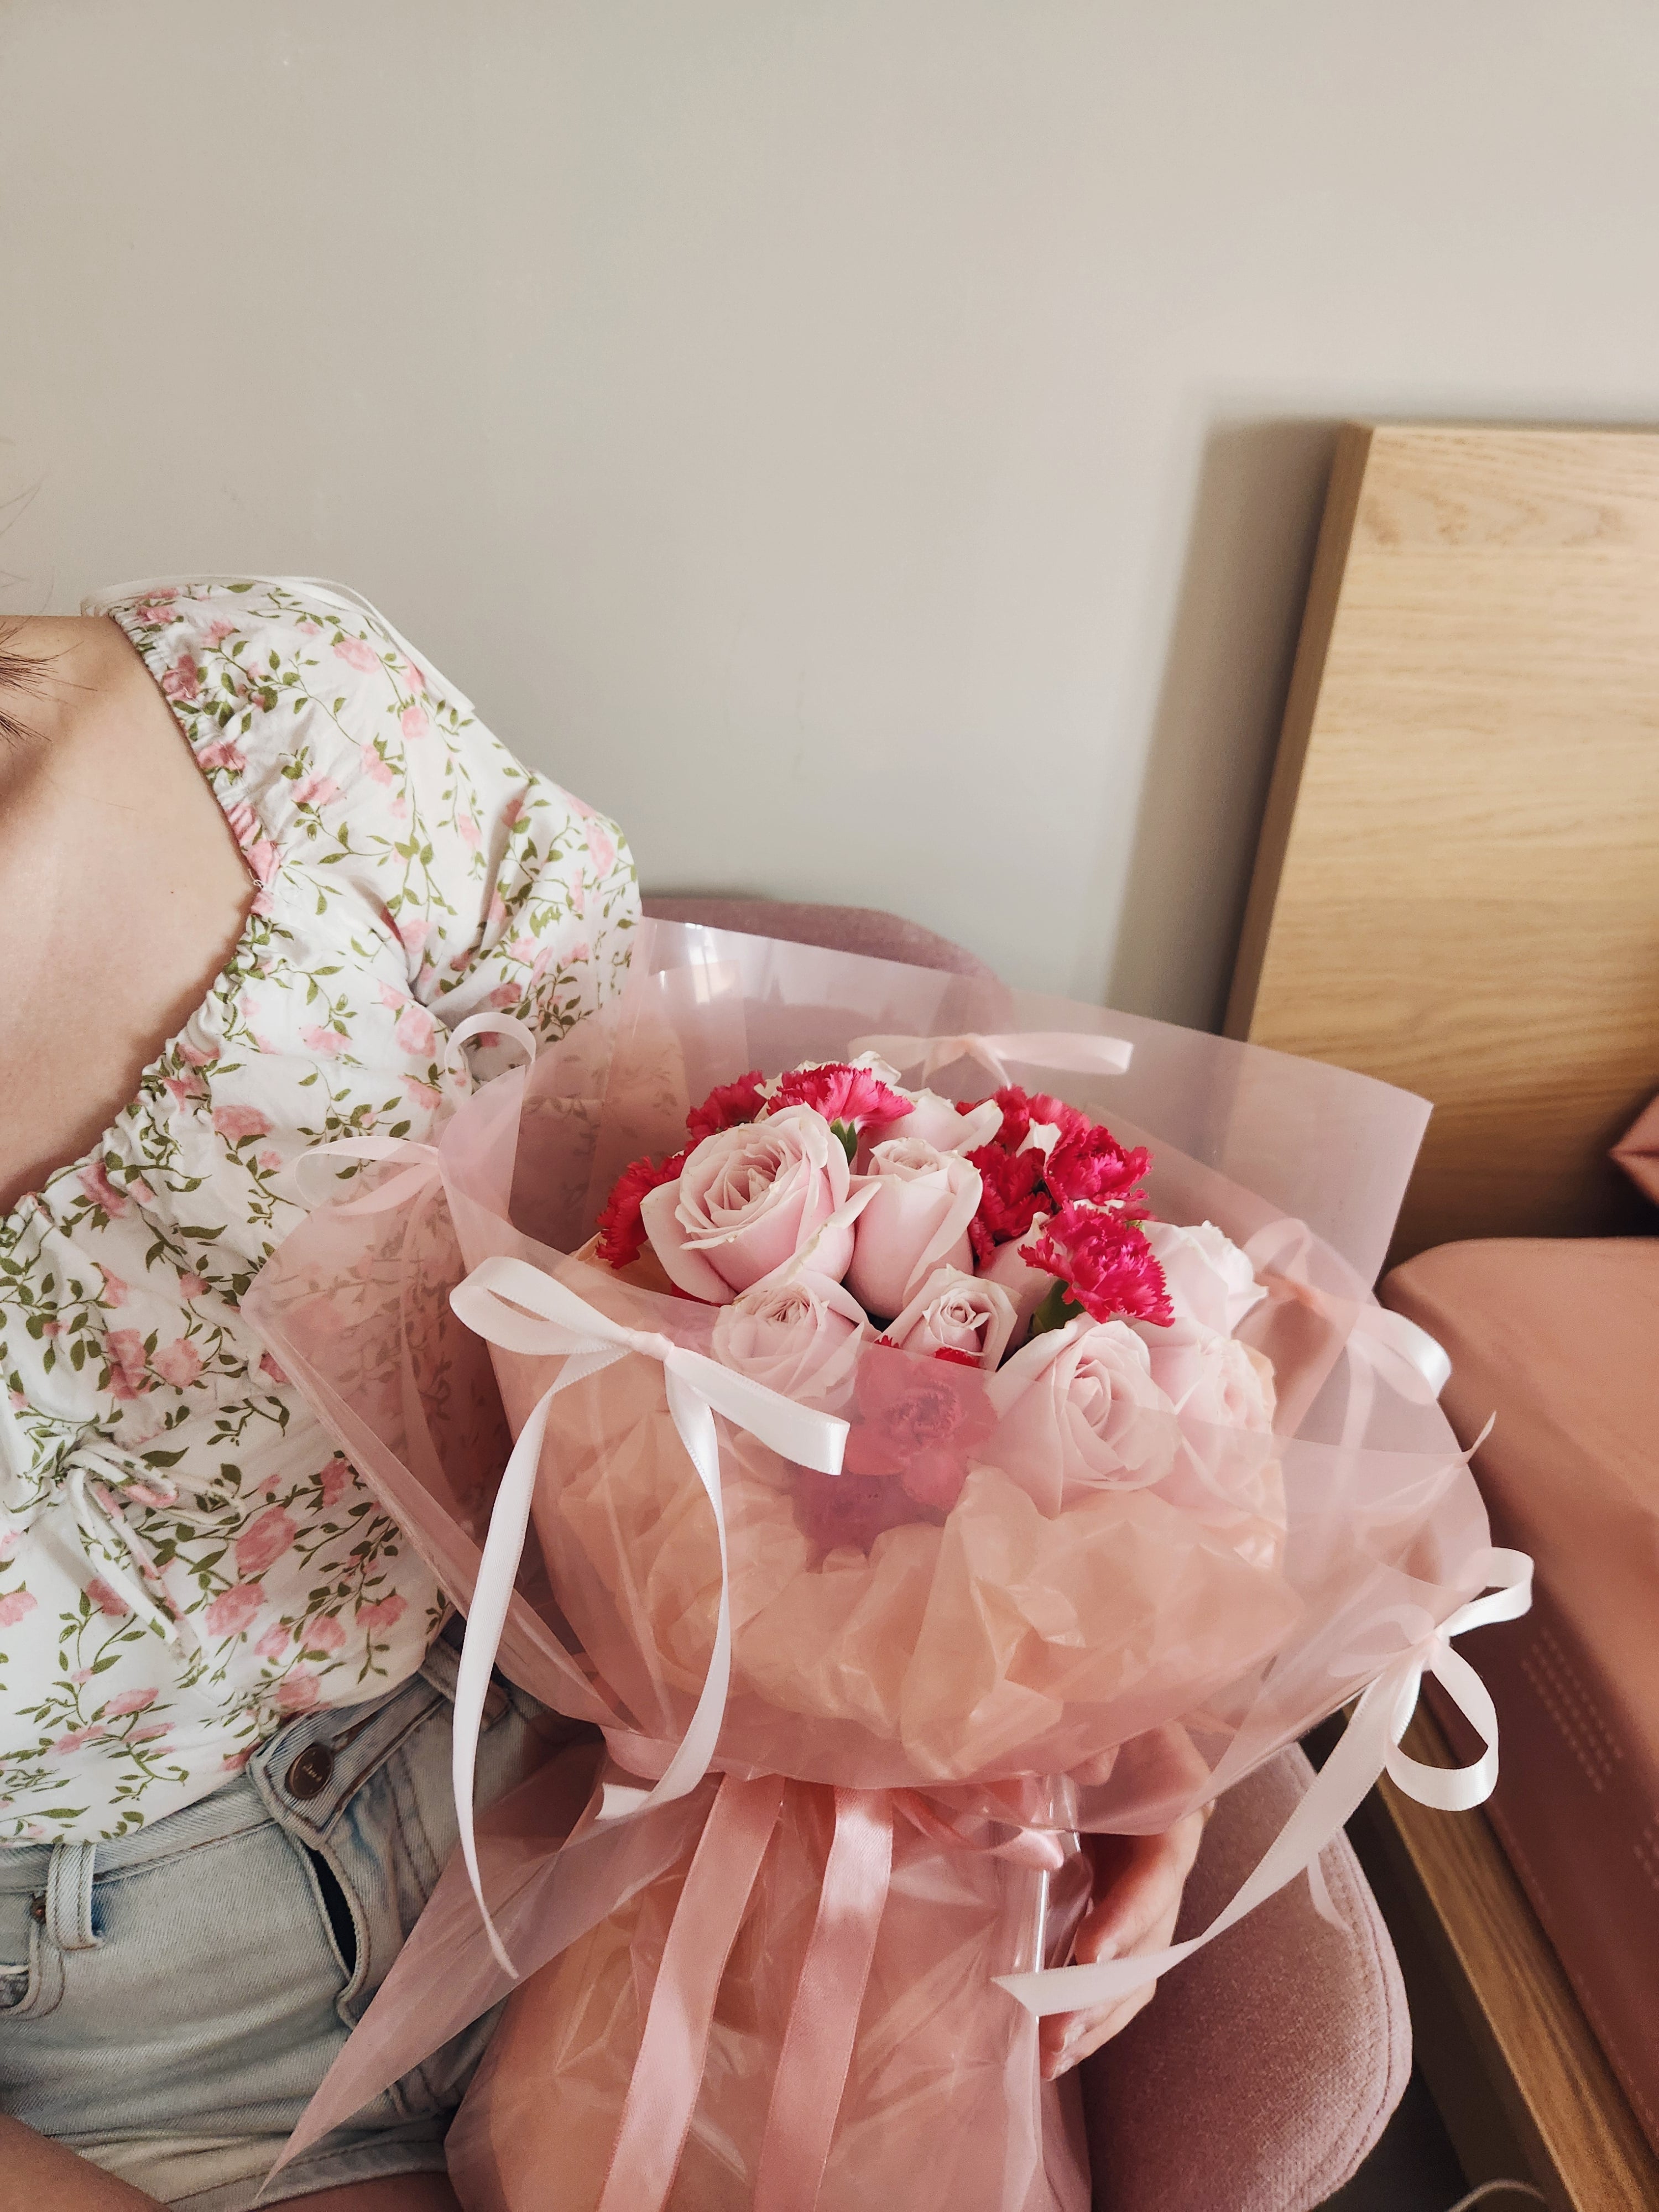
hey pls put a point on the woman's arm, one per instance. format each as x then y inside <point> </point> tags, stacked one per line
<point>1137,1885</point>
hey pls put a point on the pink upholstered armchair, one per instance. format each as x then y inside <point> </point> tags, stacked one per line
<point>1265,2068</point>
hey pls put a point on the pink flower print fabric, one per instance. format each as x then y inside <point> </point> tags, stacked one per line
<point>186,1560</point>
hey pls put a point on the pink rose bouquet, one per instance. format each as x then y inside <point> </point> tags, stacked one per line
<point>906,1467</point>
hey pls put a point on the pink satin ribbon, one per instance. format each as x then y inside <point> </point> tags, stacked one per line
<point>817,2044</point>
<point>816,2052</point>
<point>668,2072</point>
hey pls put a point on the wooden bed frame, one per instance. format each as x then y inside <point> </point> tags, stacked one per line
<point>1457,889</point>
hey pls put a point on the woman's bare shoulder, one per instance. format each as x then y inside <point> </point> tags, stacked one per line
<point>121,890</point>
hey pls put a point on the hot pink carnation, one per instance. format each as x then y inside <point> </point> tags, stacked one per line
<point>621,1234</point>
<point>726,1105</point>
<point>1011,1197</point>
<point>1105,1262</point>
<point>851,1095</point>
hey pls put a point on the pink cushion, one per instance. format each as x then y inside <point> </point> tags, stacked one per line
<point>1267,2066</point>
<point>1637,1150</point>
<point>1557,1337</point>
<point>865,929</point>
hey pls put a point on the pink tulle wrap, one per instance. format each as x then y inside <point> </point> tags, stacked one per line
<point>778,1989</point>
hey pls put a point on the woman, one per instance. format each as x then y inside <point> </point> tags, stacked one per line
<point>224,1677</point>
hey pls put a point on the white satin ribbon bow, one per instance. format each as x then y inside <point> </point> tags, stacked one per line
<point>1369,1748</point>
<point>1072,1051</point>
<point>516,1306</point>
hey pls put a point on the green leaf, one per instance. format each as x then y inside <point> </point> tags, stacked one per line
<point>1057,1309</point>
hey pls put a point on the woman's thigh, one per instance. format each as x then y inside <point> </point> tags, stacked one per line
<point>170,2017</point>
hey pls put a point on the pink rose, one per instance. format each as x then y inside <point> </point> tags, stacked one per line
<point>1227,1471</point>
<point>219,631</point>
<point>237,1123</point>
<point>1025,1284</point>
<point>324,1633</point>
<point>505,997</point>
<point>232,1610</point>
<point>106,1599</point>
<point>269,1368</point>
<point>413,677</point>
<point>273,1642</point>
<point>125,1348</point>
<point>115,1291</point>
<point>962,1315</point>
<point>800,1337</point>
<point>9,1539</point>
<point>414,724</point>
<point>469,830</point>
<point>264,1541</point>
<point>937,1121</point>
<point>1079,1411</point>
<point>270,1159</point>
<point>185,1090</point>
<point>357,653</point>
<point>183,679</point>
<point>601,846</point>
<point>327,1044</point>
<point>297,1693</point>
<point>334,1481</point>
<point>14,1605</point>
<point>411,930</point>
<point>95,1181</point>
<point>385,1613</point>
<point>234,1761</point>
<point>192,1286</point>
<point>1211,1285</point>
<point>178,1363</point>
<point>416,1031</point>
<point>150,1731</point>
<point>754,1200</point>
<point>130,1701</point>
<point>497,912</point>
<point>223,753</point>
<point>315,791</point>
<point>374,767</point>
<point>921,1202</point>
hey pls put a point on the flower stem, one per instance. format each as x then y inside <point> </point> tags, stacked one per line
<point>1056,1310</point>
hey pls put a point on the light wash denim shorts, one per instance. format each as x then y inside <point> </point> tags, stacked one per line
<point>169,2002</point>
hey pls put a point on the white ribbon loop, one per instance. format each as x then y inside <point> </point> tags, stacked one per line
<point>1073,1051</point>
<point>1369,1748</point>
<point>516,1306</point>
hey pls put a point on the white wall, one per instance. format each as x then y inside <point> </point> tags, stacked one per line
<point>870,446</point>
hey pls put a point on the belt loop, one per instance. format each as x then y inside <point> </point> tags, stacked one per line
<point>69,1897</point>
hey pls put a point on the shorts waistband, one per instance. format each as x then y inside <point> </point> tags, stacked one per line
<point>334,1750</point>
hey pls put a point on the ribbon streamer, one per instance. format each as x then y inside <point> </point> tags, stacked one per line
<point>1369,1748</point>
<point>516,1306</point>
<point>817,2053</point>
<point>662,2094</point>
<point>1070,1050</point>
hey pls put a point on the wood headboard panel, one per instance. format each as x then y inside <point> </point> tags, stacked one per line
<point>1457,885</point>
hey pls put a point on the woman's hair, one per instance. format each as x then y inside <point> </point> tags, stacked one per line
<point>18,672</point>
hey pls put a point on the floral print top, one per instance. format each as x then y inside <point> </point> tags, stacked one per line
<point>186,1560</point>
